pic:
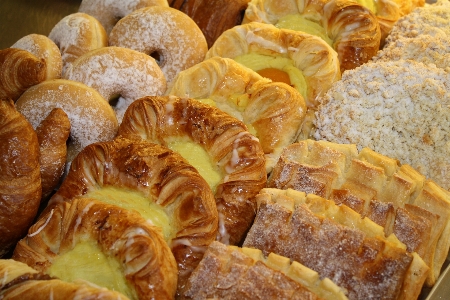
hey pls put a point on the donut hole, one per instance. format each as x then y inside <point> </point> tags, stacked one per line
<point>158,57</point>
<point>114,100</point>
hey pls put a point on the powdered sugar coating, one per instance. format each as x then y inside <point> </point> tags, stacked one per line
<point>172,34</point>
<point>398,108</point>
<point>120,71</point>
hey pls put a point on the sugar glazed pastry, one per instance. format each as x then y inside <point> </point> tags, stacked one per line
<point>109,12</point>
<point>337,243</point>
<point>91,117</point>
<point>162,32</point>
<point>43,47</point>
<point>406,120</point>
<point>20,178</point>
<point>104,244</point>
<point>77,34</point>
<point>244,273</point>
<point>347,26</point>
<point>217,144</point>
<point>19,281</point>
<point>157,182</point>
<point>273,111</point>
<point>120,75</point>
<point>394,196</point>
<point>19,70</point>
<point>213,16</point>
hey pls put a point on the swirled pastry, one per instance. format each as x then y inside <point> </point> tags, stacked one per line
<point>153,180</point>
<point>20,177</point>
<point>312,65</point>
<point>217,144</point>
<point>103,244</point>
<point>349,27</point>
<point>19,281</point>
<point>336,242</point>
<point>273,111</point>
<point>394,196</point>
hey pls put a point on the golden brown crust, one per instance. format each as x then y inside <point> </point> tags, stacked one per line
<point>273,111</point>
<point>213,17</point>
<point>145,258</point>
<point>19,70</point>
<point>159,174</point>
<point>21,282</point>
<point>20,179</point>
<point>52,134</point>
<point>227,141</point>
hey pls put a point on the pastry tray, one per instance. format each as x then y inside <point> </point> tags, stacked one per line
<point>21,17</point>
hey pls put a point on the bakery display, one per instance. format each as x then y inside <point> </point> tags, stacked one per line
<point>92,119</point>
<point>231,272</point>
<point>19,70</point>
<point>273,111</point>
<point>109,12</point>
<point>394,196</point>
<point>336,242</point>
<point>349,27</point>
<point>103,244</point>
<point>156,182</point>
<point>20,178</point>
<point>19,281</point>
<point>77,34</point>
<point>164,33</point>
<point>44,48</point>
<point>229,158</point>
<point>134,75</point>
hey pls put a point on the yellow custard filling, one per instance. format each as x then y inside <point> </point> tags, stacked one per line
<point>298,22</point>
<point>87,262</point>
<point>258,62</point>
<point>197,156</point>
<point>370,4</point>
<point>134,200</point>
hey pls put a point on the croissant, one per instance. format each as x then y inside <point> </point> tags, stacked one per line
<point>19,281</point>
<point>153,180</point>
<point>233,165</point>
<point>19,70</point>
<point>336,242</point>
<point>213,16</point>
<point>52,134</point>
<point>273,111</point>
<point>20,179</point>
<point>103,244</point>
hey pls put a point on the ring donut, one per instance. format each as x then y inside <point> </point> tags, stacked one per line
<point>77,34</point>
<point>64,241</point>
<point>164,32</point>
<point>92,119</point>
<point>109,12</point>
<point>119,71</point>
<point>217,144</point>
<point>43,47</point>
<point>157,178</point>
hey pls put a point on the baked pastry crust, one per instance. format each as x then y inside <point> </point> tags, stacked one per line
<point>353,28</point>
<point>336,242</point>
<point>163,177</point>
<point>20,178</point>
<point>145,258</point>
<point>227,141</point>
<point>394,196</point>
<point>273,110</point>
<point>21,282</point>
<point>19,70</point>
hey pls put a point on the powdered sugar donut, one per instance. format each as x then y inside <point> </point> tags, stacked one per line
<point>164,31</point>
<point>119,73</point>
<point>109,12</point>
<point>92,119</point>
<point>77,34</point>
<point>42,47</point>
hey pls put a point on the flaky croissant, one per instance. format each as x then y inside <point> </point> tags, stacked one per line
<point>19,70</point>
